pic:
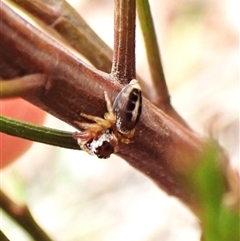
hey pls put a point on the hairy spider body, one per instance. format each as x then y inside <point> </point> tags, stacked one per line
<point>119,122</point>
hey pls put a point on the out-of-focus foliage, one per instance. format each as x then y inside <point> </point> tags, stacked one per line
<point>219,222</point>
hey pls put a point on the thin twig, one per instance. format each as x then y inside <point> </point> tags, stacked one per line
<point>22,215</point>
<point>123,68</point>
<point>159,96</point>
<point>22,86</point>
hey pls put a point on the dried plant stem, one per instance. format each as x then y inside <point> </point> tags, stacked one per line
<point>123,67</point>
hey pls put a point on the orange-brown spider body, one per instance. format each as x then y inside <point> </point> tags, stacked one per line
<point>101,137</point>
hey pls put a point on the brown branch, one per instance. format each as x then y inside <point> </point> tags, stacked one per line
<point>7,70</point>
<point>123,68</point>
<point>60,16</point>
<point>162,149</point>
<point>22,215</point>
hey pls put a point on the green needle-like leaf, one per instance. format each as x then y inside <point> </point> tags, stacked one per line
<point>152,50</point>
<point>36,133</point>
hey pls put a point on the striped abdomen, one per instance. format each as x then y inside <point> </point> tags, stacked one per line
<point>127,107</point>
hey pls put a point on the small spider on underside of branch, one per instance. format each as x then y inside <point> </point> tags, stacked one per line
<point>101,138</point>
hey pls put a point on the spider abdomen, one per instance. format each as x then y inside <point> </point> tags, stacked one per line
<point>127,107</point>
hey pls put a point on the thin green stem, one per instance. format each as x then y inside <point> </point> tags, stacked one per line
<point>36,133</point>
<point>153,53</point>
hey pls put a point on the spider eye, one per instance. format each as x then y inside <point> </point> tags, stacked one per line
<point>127,107</point>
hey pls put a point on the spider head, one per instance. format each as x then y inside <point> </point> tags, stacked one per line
<point>103,145</point>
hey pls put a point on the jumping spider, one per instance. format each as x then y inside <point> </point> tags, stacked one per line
<point>101,138</point>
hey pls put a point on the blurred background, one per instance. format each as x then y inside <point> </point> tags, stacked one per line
<point>74,196</point>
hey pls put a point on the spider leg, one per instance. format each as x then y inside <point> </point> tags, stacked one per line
<point>105,124</point>
<point>125,139</point>
<point>108,103</point>
<point>92,128</point>
<point>109,116</point>
<point>82,138</point>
